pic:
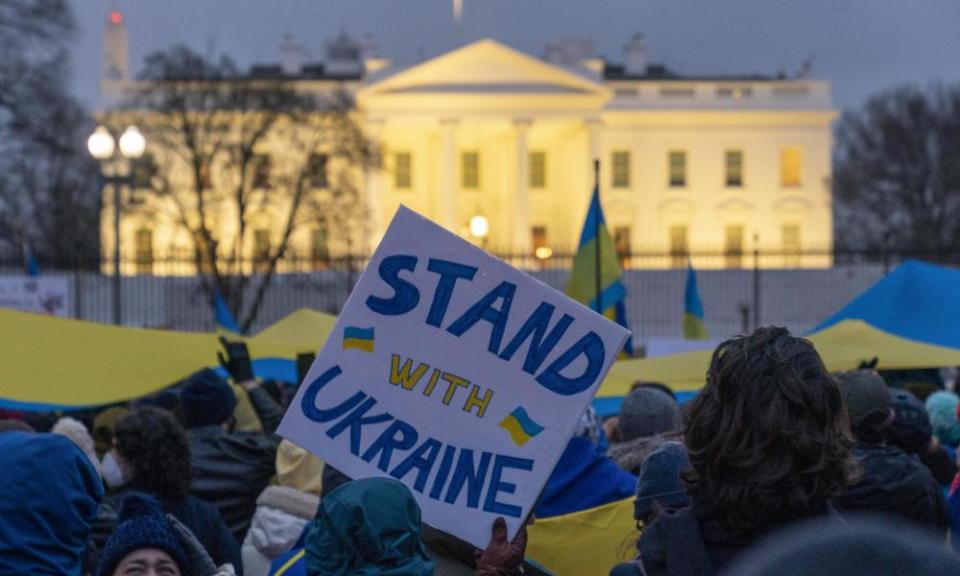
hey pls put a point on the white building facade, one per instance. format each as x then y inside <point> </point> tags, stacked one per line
<point>727,165</point>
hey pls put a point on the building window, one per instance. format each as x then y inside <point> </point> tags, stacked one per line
<point>538,169</point>
<point>733,246</point>
<point>679,249</point>
<point>203,249</point>
<point>626,92</point>
<point>621,242</point>
<point>143,243</point>
<point>261,249</point>
<point>470,169</point>
<point>402,171</point>
<point>734,92</point>
<point>791,167</point>
<point>261,171</point>
<point>317,170</point>
<point>539,242</point>
<point>733,168</point>
<point>143,170</point>
<point>790,237</point>
<point>677,160</point>
<point>677,93</point>
<point>319,251</point>
<point>206,178</point>
<point>620,160</point>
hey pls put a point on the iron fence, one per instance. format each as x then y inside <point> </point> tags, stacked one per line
<point>739,290</point>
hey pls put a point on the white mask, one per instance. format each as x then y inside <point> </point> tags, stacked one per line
<point>113,473</point>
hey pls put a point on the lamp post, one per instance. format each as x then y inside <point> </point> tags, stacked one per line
<point>103,147</point>
<point>479,228</point>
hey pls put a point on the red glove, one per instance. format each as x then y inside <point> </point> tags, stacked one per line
<point>502,558</point>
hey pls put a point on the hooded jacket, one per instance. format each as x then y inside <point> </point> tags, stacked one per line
<point>282,512</point>
<point>51,493</point>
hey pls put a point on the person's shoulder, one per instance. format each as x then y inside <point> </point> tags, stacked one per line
<point>632,568</point>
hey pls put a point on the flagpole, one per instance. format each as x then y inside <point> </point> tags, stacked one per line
<point>596,227</point>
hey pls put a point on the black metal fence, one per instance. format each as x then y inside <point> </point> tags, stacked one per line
<point>738,290</point>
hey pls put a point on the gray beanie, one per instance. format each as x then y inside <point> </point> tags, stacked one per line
<point>647,412</point>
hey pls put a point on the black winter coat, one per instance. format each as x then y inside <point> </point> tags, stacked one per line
<point>895,483</point>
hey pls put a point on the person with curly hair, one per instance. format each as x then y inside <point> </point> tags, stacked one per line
<point>151,455</point>
<point>769,444</point>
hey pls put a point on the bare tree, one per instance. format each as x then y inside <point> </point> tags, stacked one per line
<point>214,124</point>
<point>48,193</point>
<point>897,172</point>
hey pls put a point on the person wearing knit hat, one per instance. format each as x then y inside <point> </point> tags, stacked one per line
<point>143,538</point>
<point>230,467</point>
<point>942,407</point>
<point>648,418</point>
<point>890,481</point>
<point>659,485</point>
<point>77,432</point>
<point>911,432</point>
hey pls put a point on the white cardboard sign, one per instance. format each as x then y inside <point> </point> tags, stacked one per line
<point>454,373</point>
<point>39,294</point>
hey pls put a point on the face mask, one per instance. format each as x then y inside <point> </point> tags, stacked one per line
<point>112,473</point>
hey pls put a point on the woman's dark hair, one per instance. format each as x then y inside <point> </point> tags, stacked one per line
<point>155,445</point>
<point>768,436</point>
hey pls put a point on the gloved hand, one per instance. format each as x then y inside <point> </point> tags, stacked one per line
<point>502,558</point>
<point>237,362</point>
<point>201,563</point>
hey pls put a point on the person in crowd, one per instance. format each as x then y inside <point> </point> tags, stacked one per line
<point>660,489</point>
<point>230,469</point>
<point>373,526</point>
<point>889,481</point>
<point>50,497</point>
<point>942,408</point>
<point>103,424</point>
<point>860,546</point>
<point>648,417</point>
<point>911,432</point>
<point>769,444</point>
<point>152,456</point>
<point>77,432</point>
<point>144,543</point>
<point>283,509</point>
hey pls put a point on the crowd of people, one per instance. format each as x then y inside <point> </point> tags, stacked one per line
<point>775,467</point>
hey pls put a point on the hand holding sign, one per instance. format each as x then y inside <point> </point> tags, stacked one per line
<point>454,373</point>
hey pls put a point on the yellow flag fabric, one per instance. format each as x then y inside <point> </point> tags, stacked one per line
<point>842,347</point>
<point>48,362</point>
<point>587,543</point>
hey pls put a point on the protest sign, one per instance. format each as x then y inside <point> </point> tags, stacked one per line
<point>454,373</point>
<point>42,295</point>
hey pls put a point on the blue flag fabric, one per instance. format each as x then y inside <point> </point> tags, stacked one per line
<point>694,327</point>
<point>223,316</point>
<point>30,262</point>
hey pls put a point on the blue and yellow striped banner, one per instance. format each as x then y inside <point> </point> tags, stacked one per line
<point>358,338</point>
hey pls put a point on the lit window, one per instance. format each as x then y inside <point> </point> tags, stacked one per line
<point>733,163</point>
<point>261,249</point>
<point>144,169</point>
<point>620,160</point>
<point>679,249</point>
<point>261,171</point>
<point>790,236</point>
<point>319,252</point>
<point>677,160</point>
<point>470,169</point>
<point>143,243</point>
<point>317,170</point>
<point>734,92</point>
<point>791,167</point>
<point>538,241</point>
<point>402,170</point>
<point>733,246</point>
<point>538,169</point>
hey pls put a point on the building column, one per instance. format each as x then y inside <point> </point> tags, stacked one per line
<point>520,238</point>
<point>375,223</point>
<point>447,195</point>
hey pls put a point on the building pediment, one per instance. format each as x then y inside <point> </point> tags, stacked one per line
<point>483,74</point>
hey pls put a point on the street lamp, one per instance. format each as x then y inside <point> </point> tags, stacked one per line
<point>103,147</point>
<point>480,227</point>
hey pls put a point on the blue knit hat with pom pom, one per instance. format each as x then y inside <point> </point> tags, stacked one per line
<point>141,525</point>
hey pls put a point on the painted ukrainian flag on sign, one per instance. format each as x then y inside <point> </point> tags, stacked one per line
<point>693,325</point>
<point>582,285</point>
<point>359,338</point>
<point>520,426</point>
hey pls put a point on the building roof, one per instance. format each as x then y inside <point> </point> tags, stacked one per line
<point>660,73</point>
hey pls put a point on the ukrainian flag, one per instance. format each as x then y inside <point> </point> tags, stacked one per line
<point>520,426</point>
<point>693,326</point>
<point>223,316</point>
<point>359,338</point>
<point>596,244</point>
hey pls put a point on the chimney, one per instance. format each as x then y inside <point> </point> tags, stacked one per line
<point>635,56</point>
<point>291,56</point>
